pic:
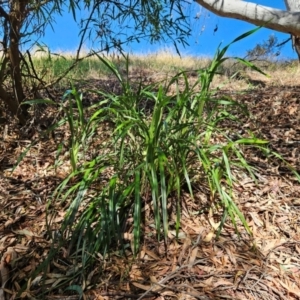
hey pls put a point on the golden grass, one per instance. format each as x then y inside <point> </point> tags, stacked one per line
<point>164,64</point>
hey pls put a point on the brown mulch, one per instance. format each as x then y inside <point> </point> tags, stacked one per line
<point>195,266</point>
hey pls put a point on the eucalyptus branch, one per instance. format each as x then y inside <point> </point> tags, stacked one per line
<point>84,31</point>
<point>38,5</point>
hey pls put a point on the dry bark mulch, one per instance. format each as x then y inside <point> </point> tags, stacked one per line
<point>195,266</point>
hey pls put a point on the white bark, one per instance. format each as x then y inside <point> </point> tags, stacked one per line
<point>292,4</point>
<point>287,21</point>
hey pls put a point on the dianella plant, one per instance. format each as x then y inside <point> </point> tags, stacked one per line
<point>140,149</point>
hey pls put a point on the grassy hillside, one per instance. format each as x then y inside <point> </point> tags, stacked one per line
<point>160,65</point>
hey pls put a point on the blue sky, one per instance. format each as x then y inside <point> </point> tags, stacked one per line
<point>203,41</point>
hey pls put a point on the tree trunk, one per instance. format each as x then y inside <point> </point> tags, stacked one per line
<point>269,17</point>
<point>16,18</point>
<point>11,64</point>
<point>13,105</point>
<point>294,5</point>
<point>285,21</point>
<point>296,45</point>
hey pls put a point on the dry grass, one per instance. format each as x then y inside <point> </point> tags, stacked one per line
<point>162,65</point>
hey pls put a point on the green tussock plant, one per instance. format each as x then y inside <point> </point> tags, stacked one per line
<point>154,154</point>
